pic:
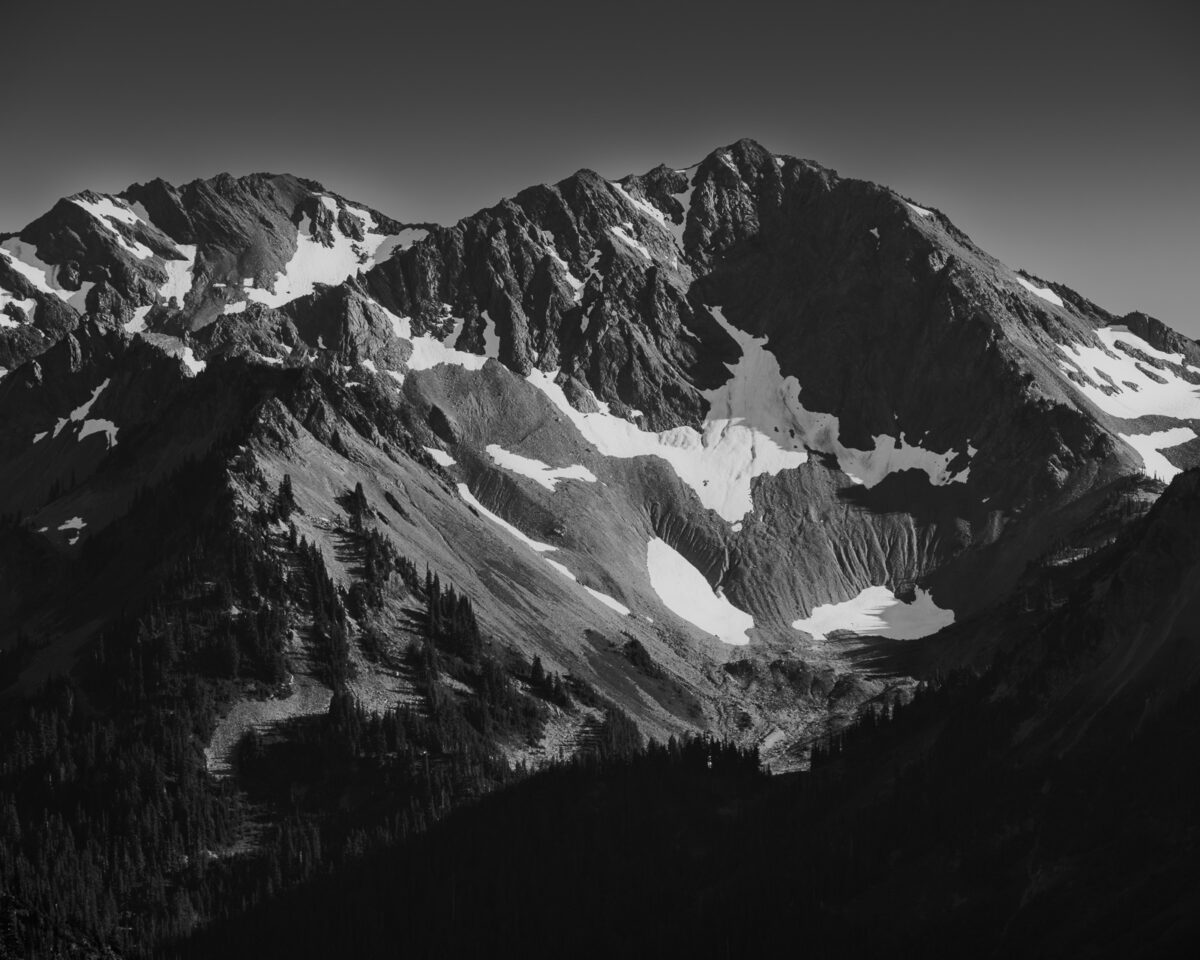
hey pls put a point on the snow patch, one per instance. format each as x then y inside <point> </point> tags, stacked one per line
<point>179,274</point>
<point>644,206</point>
<point>441,456</point>
<point>79,414</point>
<point>22,257</point>
<point>1121,386</point>
<point>919,211</point>
<point>27,306</point>
<point>1044,292</point>
<point>491,339</point>
<point>1148,446</point>
<point>104,210</point>
<point>138,323</point>
<point>429,352</point>
<point>190,361</point>
<point>399,241</point>
<point>106,427</point>
<point>238,307</point>
<point>620,233</point>
<point>73,526</point>
<point>876,612</point>
<point>608,601</point>
<point>537,471</point>
<point>686,593</point>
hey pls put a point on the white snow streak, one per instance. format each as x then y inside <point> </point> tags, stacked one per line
<point>537,471</point>
<point>1044,292</point>
<point>625,238</point>
<point>608,601</point>
<point>919,211</point>
<point>441,456</point>
<point>684,591</point>
<point>465,492</point>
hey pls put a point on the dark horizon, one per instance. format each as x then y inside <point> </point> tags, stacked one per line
<point>1061,140</point>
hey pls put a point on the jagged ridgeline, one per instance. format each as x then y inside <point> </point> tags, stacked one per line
<point>318,525</point>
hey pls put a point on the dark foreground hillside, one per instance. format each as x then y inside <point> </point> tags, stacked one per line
<point>956,852</point>
<point>1048,807</point>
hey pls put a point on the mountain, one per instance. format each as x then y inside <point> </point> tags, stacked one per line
<point>746,450</point>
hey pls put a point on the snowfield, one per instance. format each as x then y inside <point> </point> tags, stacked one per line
<point>1122,386</point>
<point>684,591</point>
<point>756,425</point>
<point>876,612</point>
<point>535,470</point>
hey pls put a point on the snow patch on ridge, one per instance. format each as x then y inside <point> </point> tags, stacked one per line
<point>535,470</point>
<point>1044,292</point>
<point>686,593</point>
<point>919,211</point>
<point>876,612</point>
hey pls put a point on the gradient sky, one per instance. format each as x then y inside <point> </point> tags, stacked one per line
<point>1063,137</point>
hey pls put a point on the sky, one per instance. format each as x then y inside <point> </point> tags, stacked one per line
<point>1064,137</point>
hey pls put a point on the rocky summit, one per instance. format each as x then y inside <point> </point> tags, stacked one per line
<point>746,451</point>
